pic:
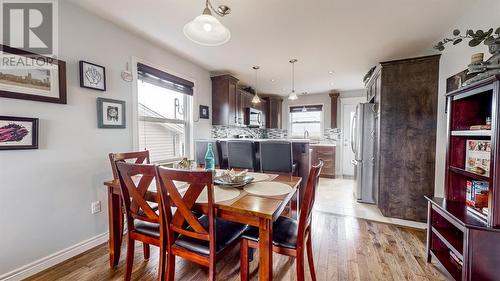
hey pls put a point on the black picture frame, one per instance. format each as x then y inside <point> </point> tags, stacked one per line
<point>103,124</point>
<point>204,112</point>
<point>12,120</point>
<point>84,80</point>
<point>61,78</point>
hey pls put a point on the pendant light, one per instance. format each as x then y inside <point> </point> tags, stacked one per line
<point>205,29</point>
<point>256,98</point>
<point>293,95</point>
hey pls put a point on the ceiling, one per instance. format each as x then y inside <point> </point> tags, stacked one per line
<point>346,37</point>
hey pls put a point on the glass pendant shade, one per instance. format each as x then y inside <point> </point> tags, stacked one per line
<point>255,98</point>
<point>206,30</point>
<point>293,96</point>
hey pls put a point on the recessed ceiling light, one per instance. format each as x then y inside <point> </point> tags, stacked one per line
<point>331,83</point>
<point>283,89</point>
<point>330,72</point>
<point>273,80</point>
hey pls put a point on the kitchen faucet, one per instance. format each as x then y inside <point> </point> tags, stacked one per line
<point>306,134</point>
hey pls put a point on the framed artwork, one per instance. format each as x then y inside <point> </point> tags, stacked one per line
<point>18,133</point>
<point>92,76</point>
<point>204,112</point>
<point>29,76</point>
<point>110,114</point>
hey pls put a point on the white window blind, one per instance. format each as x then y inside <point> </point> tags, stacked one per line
<point>306,118</point>
<point>163,116</point>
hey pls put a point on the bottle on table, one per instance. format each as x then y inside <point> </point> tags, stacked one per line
<point>210,159</point>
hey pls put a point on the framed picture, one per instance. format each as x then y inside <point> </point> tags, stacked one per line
<point>18,133</point>
<point>110,114</point>
<point>92,76</point>
<point>204,112</point>
<point>30,76</point>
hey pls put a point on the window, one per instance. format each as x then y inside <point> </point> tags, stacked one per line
<point>306,118</point>
<point>164,102</point>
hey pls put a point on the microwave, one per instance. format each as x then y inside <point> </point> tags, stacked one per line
<point>253,118</point>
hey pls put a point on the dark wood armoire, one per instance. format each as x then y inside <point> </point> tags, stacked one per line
<point>406,95</point>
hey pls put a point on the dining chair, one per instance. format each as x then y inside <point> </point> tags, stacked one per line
<point>137,157</point>
<point>241,155</point>
<point>290,237</point>
<point>143,222</point>
<point>202,240</point>
<point>277,156</point>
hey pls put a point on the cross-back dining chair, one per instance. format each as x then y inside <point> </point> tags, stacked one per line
<point>202,240</point>
<point>137,157</point>
<point>290,237</point>
<point>143,222</point>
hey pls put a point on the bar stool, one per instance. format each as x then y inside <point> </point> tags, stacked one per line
<point>277,157</point>
<point>241,155</point>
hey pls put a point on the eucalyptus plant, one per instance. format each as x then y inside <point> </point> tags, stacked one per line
<point>489,37</point>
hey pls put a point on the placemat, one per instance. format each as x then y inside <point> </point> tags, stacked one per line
<point>221,193</point>
<point>268,188</point>
<point>257,177</point>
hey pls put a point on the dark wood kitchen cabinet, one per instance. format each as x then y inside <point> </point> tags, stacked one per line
<point>327,154</point>
<point>273,111</point>
<point>405,93</point>
<point>225,108</point>
<point>229,102</point>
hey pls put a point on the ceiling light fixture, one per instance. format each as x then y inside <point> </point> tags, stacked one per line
<point>273,80</point>
<point>293,95</point>
<point>330,72</point>
<point>256,98</point>
<point>206,30</point>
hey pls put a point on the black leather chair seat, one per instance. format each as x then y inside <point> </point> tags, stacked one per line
<point>226,232</point>
<point>153,206</point>
<point>284,233</point>
<point>147,228</point>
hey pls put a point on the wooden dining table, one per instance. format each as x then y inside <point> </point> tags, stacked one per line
<point>254,210</point>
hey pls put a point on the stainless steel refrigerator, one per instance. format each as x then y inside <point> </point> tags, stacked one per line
<point>363,144</point>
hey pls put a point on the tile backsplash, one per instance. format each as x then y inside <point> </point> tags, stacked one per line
<point>222,132</point>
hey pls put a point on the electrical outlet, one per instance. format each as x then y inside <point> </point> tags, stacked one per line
<point>95,207</point>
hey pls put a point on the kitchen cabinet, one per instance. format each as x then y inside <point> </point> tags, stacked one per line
<point>405,94</point>
<point>327,154</point>
<point>225,110</point>
<point>229,102</point>
<point>272,108</point>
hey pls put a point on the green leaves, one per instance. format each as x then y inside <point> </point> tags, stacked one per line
<point>489,41</point>
<point>477,37</point>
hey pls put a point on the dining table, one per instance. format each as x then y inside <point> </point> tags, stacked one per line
<point>258,210</point>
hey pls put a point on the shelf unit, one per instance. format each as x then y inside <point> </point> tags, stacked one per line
<point>463,239</point>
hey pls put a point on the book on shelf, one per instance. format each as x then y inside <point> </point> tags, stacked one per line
<point>480,127</point>
<point>477,156</point>
<point>476,194</point>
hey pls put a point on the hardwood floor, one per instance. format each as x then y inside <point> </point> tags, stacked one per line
<point>345,248</point>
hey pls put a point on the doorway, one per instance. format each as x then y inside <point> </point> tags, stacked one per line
<point>347,111</point>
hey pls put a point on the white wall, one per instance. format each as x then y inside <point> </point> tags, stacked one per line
<point>312,99</point>
<point>455,59</point>
<point>46,193</point>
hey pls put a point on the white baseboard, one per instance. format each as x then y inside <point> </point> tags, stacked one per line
<point>53,259</point>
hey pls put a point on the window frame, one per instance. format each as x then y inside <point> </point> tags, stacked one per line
<point>188,112</point>
<point>321,121</point>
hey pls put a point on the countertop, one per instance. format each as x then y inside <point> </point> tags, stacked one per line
<point>311,142</point>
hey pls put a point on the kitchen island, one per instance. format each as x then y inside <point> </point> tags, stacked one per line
<point>300,150</point>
